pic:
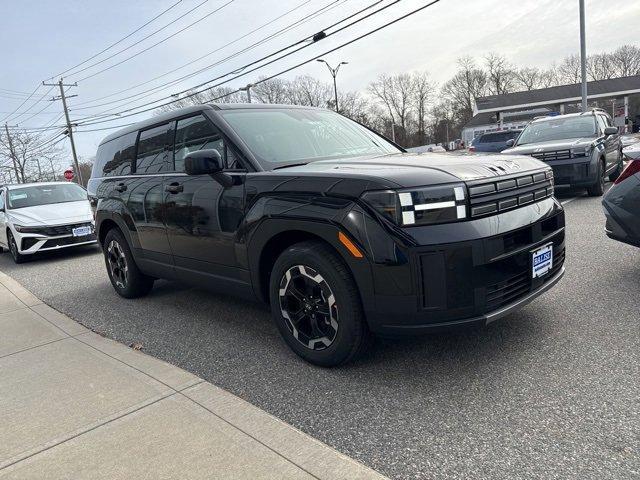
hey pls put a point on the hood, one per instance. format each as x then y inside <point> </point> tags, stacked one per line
<point>55,214</point>
<point>552,145</point>
<point>411,170</point>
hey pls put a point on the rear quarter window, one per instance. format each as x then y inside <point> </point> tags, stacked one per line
<point>114,158</point>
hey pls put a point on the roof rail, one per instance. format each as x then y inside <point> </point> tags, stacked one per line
<point>594,110</point>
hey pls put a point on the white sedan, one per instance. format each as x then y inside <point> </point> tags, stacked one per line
<point>36,217</point>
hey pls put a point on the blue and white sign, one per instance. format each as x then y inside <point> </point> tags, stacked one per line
<point>542,261</point>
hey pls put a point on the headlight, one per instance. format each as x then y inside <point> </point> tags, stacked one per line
<point>21,229</point>
<point>420,206</point>
<point>581,151</point>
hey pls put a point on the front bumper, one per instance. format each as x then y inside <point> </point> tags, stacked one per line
<point>481,274</point>
<point>575,172</point>
<point>31,243</point>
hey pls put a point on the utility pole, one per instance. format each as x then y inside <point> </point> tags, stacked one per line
<point>13,154</point>
<point>334,74</point>
<point>248,90</point>
<point>583,57</point>
<point>66,114</point>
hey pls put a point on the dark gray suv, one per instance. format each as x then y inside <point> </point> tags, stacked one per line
<point>581,148</point>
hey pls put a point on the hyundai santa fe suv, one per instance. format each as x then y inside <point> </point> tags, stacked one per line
<point>582,148</point>
<point>341,231</point>
<point>40,217</point>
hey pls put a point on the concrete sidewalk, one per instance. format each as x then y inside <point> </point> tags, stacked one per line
<point>75,405</point>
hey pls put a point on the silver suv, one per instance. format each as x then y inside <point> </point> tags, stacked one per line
<point>581,148</point>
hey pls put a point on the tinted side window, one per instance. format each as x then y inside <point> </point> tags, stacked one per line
<point>1,199</point>
<point>152,150</point>
<point>114,157</point>
<point>198,133</point>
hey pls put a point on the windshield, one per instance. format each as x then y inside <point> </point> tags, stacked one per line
<point>559,129</point>
<point>498,137</point>
<point>281,137</point>
<point>44,195</point>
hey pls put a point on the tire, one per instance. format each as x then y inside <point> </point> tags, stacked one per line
<point>127,279</point>
<point>616,173</point>
<point>316,265</point>
<point>13,249</point>
<point>597,189</point>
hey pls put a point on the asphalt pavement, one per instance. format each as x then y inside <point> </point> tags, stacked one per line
<point>549,392</point>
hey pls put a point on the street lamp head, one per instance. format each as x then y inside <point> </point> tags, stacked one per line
<point>344,63</point>
<point>321,60</point>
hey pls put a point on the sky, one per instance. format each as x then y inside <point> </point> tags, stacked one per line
<point>43,38</point>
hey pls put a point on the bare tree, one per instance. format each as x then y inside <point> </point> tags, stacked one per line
<point>501,77</point>
<point>422,92</point>
<point>600,66</point>
<point>569,70</point>
<point>309,91</point>
<point>274,90</point>
<point>626,60</point>
<point>469,83</point>
<point>36,158</point>
<point>394,93</point>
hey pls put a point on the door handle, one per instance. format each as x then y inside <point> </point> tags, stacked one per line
<point>174,188</point>
<point>121,187</point>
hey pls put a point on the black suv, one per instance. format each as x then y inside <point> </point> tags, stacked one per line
<point>339,229</point>
<point>582,148</point>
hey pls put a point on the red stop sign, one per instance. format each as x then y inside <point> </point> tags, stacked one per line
<point>68,174</point>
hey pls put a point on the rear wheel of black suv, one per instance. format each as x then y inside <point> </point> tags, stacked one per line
<point>127,280</point>
<point>597,189</point>
<point>316,305</point>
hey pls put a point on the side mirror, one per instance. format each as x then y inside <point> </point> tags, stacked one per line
<point>510,142</point>
<point>208,162</point>
<point>611,131</point>
<point>203,162</point>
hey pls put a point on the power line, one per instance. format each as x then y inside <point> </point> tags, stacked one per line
<point>117,42</point>
<point>28,110</point>
<point>152,46</point>
<point>4,119</point>
<point>80,107</point>
<point>145,93</point>
<point>312,39</point>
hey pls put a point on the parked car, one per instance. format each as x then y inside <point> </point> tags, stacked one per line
<point>37,217</point>
<point>493,142</point>
<point>582,148</point>
<point>628,139</point>
<point>622,201</point>
<point>343,233</point>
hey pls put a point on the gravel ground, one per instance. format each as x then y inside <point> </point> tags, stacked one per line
<point>549,392</point>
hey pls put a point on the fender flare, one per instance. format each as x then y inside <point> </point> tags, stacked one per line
<point>271,228</point>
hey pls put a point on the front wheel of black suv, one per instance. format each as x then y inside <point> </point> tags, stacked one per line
<point>127,280</point>
<point>316,305</point>
<point>597,189</point>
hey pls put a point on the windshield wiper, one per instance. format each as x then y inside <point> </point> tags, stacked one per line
<point>291,165</point>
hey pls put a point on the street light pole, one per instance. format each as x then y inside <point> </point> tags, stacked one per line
<point>334,74</point>
<point>583,57</point>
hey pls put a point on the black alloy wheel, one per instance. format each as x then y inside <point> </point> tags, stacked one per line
<point>117,262</point>
<point>308,305</point>
<point>127,280</point>
<point>316,305</point>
